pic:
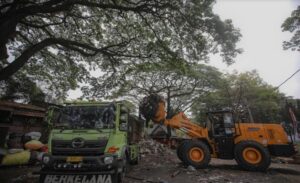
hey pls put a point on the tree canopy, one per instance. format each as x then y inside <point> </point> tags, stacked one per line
<point>56,43</point>
<point>243,93</point>
<point>180,86</point>
<point>292,24</point>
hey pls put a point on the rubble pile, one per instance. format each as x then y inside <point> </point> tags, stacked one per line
<point>149,146</point>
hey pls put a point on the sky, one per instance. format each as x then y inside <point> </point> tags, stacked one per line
<point>260,23</point>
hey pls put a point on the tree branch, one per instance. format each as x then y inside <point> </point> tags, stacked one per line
<point>82,48</point>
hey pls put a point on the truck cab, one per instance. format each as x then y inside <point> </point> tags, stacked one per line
<point>90,142</point>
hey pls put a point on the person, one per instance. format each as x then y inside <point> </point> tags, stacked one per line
<point>108,116</point>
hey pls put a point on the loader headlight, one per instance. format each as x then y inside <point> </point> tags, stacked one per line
<point>46,159</point>
<point>108,160</point>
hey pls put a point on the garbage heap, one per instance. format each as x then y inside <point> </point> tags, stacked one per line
<point>152,147</point>
<point>27,150</point>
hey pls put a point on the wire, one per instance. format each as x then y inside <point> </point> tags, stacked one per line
<point>287,79</point>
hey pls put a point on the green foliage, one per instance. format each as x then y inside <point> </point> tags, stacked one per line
<point>240,92</point>
<point>22,88</point>
<point>292,24</point>
<point>59,43</point>
<point>180,85</point>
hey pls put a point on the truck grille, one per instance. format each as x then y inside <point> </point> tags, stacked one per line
<point>68,147</point>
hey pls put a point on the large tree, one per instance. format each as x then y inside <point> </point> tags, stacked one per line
<point>292,24</point>
<point>180,85</point>
<point>246,94</point>
<point>57,42</point>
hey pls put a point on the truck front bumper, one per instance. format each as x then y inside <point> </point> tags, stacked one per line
<point>81,163</point>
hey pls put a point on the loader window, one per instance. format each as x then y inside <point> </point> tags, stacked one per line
<point>222,124</point>
<point>229,124</point>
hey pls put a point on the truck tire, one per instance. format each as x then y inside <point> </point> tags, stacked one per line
<point>120,177</point>
<point>252,156</point>
<point>196,153</point>
<point>42,178</point>
<point>125,168</point>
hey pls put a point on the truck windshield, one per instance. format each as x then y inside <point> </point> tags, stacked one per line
<point>80,117</point>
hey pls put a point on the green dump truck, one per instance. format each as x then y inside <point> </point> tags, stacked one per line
<point>91,143</point>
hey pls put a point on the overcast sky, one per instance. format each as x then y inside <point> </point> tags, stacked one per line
<point>260,24</point>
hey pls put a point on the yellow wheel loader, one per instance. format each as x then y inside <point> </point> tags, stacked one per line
<point>250,144</point>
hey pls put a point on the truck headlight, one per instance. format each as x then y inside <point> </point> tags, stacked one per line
<point>108,160</point>
<point>46,159</point>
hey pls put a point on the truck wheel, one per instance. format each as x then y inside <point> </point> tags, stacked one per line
<point>125,168</point>
<point>121,177</point>
<point>196,153</point>
<point>42,178</point>
<point>252,156</point>
<point>180,149</point>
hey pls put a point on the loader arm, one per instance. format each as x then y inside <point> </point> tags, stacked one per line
<point>178,121</point>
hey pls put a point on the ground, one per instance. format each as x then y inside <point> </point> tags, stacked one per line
<point>159,164</point>
<point>164,167</point>
<point>157,168</point>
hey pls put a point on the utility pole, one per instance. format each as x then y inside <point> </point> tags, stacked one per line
<point>249,110</point>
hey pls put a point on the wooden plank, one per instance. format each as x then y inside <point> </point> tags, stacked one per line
<point>29,113</point>
<point>20,106</point>
<point>3,108</point>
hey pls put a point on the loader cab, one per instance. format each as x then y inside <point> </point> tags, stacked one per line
<point>220,123</point>
<point>221,129</point>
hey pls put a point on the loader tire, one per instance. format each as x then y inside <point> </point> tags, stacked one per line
<point>252,156</point>
<point>180,149</point>
<point>196,153</point>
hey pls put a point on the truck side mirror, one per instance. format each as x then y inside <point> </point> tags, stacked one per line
<point>123,127</point>
<point>123,122</point>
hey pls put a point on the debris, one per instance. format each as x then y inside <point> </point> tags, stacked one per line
<point>149,146</point>
<point>296,159</point>
<point>135,178</point>
<point>163,181</point>
<point>215,178</point>
<point>174,174</point>
<point>206,170</point>
<point>191,168</point>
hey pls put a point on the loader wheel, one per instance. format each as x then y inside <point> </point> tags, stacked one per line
<point>196,153</point>
<point>180,149</point>
<point>252,156</point>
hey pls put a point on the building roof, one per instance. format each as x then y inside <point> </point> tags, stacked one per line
<point>22,109</point>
